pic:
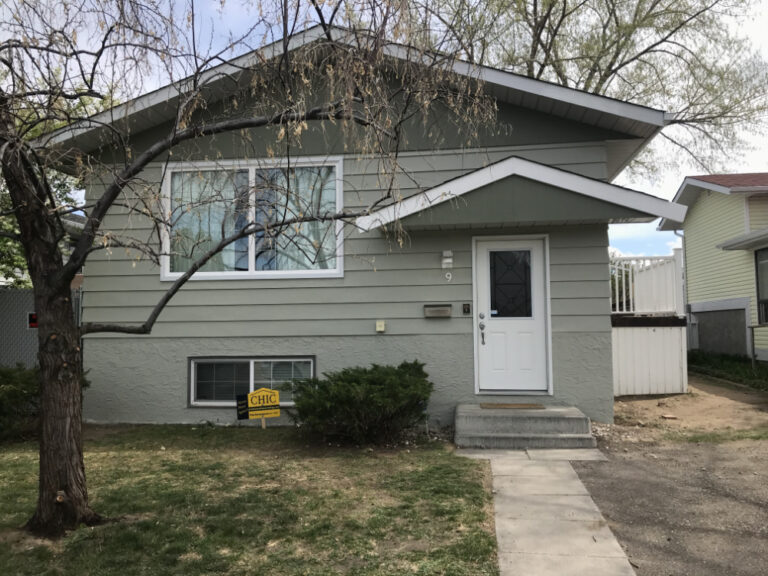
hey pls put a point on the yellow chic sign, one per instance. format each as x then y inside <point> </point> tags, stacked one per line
<point>261,403</point>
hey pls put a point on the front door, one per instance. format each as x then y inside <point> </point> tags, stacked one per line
<point>511,312</point>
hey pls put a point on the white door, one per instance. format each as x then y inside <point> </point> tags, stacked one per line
<point>511,315</point>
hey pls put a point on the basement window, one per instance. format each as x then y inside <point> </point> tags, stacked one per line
<point>216,382</point>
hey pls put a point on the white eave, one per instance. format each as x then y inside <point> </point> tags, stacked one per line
<point>622,117</point>
<point>689,191</point>
<point>750,241</point>
<point>516,166</point>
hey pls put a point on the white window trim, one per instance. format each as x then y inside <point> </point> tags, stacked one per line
<point>251,360</point>
<point>192,166</point>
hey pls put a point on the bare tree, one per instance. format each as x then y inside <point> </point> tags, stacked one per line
<point>688,57</point>
<point>366,72</point>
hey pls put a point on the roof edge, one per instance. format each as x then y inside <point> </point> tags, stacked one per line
<point>517,166</point>
<point>511,80</point>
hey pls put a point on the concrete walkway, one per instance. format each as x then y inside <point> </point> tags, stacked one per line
<point>546,521</point>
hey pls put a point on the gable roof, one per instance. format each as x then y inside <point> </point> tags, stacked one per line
<point>639,123</point>
<point>692,186</point>
<point>516,166</point>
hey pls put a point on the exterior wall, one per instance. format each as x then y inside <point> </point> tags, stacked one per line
<point>758,212</point>
<point>715,276</point>
<point>18,342</point>
<point>145,379</point>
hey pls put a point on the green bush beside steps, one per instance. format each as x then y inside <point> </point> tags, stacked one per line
<point>371,405</point>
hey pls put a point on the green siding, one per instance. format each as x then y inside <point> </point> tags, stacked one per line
<point>394,288</point>
<point>334,318</point>
<point>714,274</point>
<point>381,280</point>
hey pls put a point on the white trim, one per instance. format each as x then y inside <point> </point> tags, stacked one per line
<point>718,305</point>
<point>755,240</point>
<point>516,166</point>
<point>170,91</point>
<point>548,317</point>
<point>502,78</point>
<point>250,164</point>
<point>251,361</point>
<point>693,182</point>
<point>548,90</point>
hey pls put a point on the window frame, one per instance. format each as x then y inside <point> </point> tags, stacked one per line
<point>762,320</point>
<point>252,166</point>
<point>193,403</point>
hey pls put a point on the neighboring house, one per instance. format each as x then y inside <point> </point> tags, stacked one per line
<point>726,261</point>
<point>501,289</point>
<point>18,340</point>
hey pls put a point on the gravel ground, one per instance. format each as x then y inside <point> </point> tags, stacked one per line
<point>683,508</point>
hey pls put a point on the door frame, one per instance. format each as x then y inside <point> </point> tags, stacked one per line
<point>547,317</point>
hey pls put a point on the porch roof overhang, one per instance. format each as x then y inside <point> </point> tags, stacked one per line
<point>754,240</point>
<point>637,206</point>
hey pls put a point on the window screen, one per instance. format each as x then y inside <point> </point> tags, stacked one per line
<point>222,380</point>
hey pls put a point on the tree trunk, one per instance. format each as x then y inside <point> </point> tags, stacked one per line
<point>62,496</point>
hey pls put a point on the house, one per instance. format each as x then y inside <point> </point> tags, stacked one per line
<point>725,241</point>
<point>500,287</point>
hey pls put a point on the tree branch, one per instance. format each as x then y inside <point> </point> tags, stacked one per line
<point>251,228</point>
<point>332,111</point>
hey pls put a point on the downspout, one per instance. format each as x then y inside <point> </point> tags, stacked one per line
<point>681,235</point>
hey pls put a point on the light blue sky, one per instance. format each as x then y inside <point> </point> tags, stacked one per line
<point>643,239</point>
<point>630,239</point>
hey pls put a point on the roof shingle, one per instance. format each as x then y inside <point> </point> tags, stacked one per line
<point>735,180</point>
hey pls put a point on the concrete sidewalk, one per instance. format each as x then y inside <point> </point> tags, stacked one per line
<point>546,521</point>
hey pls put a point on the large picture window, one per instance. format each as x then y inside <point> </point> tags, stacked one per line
<point>218,381</point>
<point>211,203</point>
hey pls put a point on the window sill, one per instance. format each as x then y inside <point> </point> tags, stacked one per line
<point>276,275</point>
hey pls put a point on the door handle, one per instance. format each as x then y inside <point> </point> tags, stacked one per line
<point>482,333</point>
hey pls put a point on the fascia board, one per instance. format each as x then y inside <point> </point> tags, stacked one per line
<point>515,166</point>
<point>503,78</point>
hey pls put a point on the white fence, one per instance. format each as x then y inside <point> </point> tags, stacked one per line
<point>649,353</point>
<point>647,285</point>
<point>649,360</point>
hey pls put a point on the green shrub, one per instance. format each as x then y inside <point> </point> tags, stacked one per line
<point>364,405</point>
<point>19,397</point>
<point>20,400</point>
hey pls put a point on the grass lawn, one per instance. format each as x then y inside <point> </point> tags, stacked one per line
<point>202,500</point>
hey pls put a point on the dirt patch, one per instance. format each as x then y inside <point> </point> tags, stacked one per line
<point>681,507</point>
<point>20,539</point>
<point>706,407</point>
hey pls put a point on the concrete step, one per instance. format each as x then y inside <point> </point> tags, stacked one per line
<point>549,427</point>
<point>471,418</point>
<point>525,441</point>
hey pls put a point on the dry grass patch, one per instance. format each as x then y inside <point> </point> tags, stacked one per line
<point>199,500</point>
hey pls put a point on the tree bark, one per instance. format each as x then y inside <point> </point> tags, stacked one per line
<point>62,497</point>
